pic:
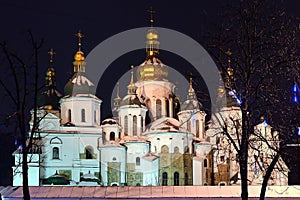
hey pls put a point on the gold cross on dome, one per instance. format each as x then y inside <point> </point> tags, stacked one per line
<point>151,12</point>
<point>51,54</point>
<point>79,35</point>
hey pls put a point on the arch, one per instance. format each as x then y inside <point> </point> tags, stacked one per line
<point>82,115</point>
<point>56,140</point>
<point>137,161</point>
<point>176,178</point>
<point>69,115</point>
<point>126,125</point>
<point>164,178</point>
<point>89,151</point>
<point>164,149</point>
<point>158,109</point>
<point>112,136</point>
<point>55,153</point>
<point>134,130</point>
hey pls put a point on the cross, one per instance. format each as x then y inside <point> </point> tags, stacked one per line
<point>151,11</point>
<point>51,54</point>
<point>228,53</point>
<point>79,35</point>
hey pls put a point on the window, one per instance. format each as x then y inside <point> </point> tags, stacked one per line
<point>89,152</point>
<point>222,158</point>
<point>55,153</point>
<point>69,115</point>
<point>176,150</point>
<point>134,125</point>
<point>165,179</point>
<point>126,125</point>
<point>186,179</point>
<point>103,137</point>
<point>176,178</point>
<point>95,116</point>
<point>205,164</point>
<point>167,108</point>
<point>164,149</point>
<point>189,126</point>
<point>197,128</point>
<point>82,115</point>
<point>112,136</point>
<point>158,108</point>
<point>142,123</point>
<point>137,161</point>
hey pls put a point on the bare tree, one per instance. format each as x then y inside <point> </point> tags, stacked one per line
<point>22,91</point>
<point>259,70</point>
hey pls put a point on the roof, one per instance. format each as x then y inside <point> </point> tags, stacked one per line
<point>130,100</point>
<point>149,192</point>
<point>79,84</point>
<point>164,124</point>
<point>191,104</point>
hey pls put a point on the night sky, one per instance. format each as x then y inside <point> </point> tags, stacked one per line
<point>57,22</point>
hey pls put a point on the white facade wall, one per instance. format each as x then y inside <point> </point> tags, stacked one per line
<point>131,111</point>
<point>76,104</point>
<point>172,140</point>
<point>112,154</point>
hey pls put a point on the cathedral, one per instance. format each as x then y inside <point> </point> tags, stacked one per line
<point>152,139</point>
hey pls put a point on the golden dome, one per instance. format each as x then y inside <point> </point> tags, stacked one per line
<point>79,56</point>
<point>152,69</point>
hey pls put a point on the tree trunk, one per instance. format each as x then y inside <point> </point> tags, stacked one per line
<point>243,154</point>
<point>267,176</point>
<point>26,194</point>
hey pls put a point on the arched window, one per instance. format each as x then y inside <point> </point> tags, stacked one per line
<point>89,152</point>
<point>189,126</point>
<point>197,128</point>
<point>164,149</point>
<point>176,178</point>
<point>158,108</point>
<point>112,136</point>
<point>164,178</point>
<point>167,108</point>
<point>103,137</point>
<point>69,115</point>
<point>176,150</point>
<point>126,125</point>
<point>137,161</point>
<point>55,153</point>
<point>82,115</point>
<point>205,163</point>
<point>142,124</point>
<point>134,125</point>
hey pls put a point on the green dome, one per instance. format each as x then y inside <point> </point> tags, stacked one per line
<point>130,99</point>
<point>50,99</point>
<point>79,84</point>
